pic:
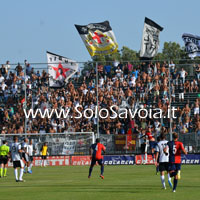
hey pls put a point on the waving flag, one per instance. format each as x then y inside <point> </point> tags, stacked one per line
<point>192,44</point>
<point>60,69</point>
<point>98,38</point>
<point>150,39</point>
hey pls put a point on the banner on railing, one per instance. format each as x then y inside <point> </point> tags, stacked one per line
<point>186,159</point>
<point>140,159</point>
<point>108,160</point>
<point>80,160</point>
<point>191,159</point>
<point>51,161</point>
<point>119,160</point>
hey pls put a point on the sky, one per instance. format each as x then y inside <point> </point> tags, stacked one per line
<point>30,28</point>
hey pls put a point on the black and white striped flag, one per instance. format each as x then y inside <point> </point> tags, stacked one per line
<point>150,39</point>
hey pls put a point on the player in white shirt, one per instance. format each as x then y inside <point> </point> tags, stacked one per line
<point>30,153</point>
<point>163,160</point>
<point>25,155</point>
<point>16,151</point>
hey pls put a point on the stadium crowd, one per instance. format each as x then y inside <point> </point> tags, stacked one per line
<point>145,85</point>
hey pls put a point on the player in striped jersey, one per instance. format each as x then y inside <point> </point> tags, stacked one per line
<point>25,155</point>
<point>30,150</point>
<point>95,152</point>
<point>174,148</point>
<point>163,160</point>
<point>16,151</point>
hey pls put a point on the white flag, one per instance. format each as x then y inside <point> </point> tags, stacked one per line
<point>192,44</point>
<point>98,38</point>
<point>150,39</point>
<point>60,69</point>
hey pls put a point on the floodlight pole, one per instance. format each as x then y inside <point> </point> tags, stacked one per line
<point>25,126</point>
<point>97,100</point>
<point>170,110</point>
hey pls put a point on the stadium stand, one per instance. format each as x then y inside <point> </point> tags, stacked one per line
<point>125,85</point>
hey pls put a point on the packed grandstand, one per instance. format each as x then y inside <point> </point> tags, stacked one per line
<point>144,85</point>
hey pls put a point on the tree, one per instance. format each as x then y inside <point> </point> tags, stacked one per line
<point>159,56</point>
<point>128,54</point>
<point>173,51</point>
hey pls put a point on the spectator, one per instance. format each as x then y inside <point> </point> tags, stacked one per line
<point>198,72</point>
<point>18,69</point>
<point>107,69</point>
<point>181,93</point>
<point>7,66</point>
<point>183,74</point>
<point>3,71</point>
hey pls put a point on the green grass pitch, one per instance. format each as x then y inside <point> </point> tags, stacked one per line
<point>121,182</point>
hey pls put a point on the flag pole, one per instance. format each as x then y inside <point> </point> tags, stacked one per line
<point>97,100</point>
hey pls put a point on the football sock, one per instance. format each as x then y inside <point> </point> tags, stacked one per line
<point>21,173</point>
<point>16,174</point>
<point>30,166</point>
<point>173,174</point>
<point>5,172</point>
<point>163,180</point>
<point>102,169</point>
<point>175,183</point>
<point>1,171</point>
<point>157,169</point>
<point>169,177</point>
<point>146,157</point>
<point>90,170</point>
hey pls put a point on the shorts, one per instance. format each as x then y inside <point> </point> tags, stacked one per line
<point>18,163</point>
<point>31,158</point>
<point>152,144</point>
<point>196,111</point>
<point>94,160</point>
<point>143,148</point>
<point>181,95</point>
<point>173,95</point>
<point>174,166</point>
<point>25,157</point>
<point>3,160</point>
<point>163,166</point>
<point>142,95</point>
<point>156,93</point>
<point>44,157</point>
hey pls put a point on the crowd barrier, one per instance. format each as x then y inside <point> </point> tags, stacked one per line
<point>192,159</point>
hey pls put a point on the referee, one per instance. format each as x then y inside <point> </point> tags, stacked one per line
<point>4,151</point>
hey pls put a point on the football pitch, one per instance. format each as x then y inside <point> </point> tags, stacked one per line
<point>121,182</point>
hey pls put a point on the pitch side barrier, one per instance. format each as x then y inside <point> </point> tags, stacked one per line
<point>78,143</point>
<point>190,159</point>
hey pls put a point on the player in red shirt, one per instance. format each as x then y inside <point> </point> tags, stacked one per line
<point>152,142</point>
<point>95,152</point>
<point>175,149</point>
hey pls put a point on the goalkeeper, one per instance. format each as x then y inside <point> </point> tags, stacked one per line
<point>44,153</point>
<point>4,152</point>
